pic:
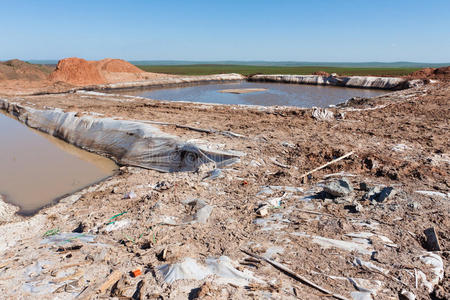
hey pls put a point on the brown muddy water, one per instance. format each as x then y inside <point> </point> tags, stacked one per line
<point>36,169</point>
<point>272,94</point>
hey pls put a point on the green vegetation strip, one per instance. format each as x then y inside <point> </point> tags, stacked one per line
<point>208,69</point>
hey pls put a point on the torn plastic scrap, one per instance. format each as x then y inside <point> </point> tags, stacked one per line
<point>221,267</point>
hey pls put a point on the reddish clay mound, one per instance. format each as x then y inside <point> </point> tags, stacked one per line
<point>78,71</point>
<point>433,73</point>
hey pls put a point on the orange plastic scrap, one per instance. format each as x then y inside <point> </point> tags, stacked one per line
<point>136,273</point>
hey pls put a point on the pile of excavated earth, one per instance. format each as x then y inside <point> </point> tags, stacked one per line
<point>348,202</point>
<point>18,77</point>
<point>79,72</point>
<point>442,73</point>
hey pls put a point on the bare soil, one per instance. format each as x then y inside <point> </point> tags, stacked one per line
<point>400,140</point>
<point>442,73</point>
<point>79,72</point>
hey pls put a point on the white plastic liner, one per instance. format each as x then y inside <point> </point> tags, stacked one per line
<point>127,142</point>
<point>165,82</point>
<point>388,83</point>
<point>221,267</point>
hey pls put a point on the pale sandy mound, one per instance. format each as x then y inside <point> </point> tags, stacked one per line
<point>21,78</point>
<point>78,71</point>
<point>117,66</point>
<point>19,70</point>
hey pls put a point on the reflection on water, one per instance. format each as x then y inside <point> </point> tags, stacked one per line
<point>36,168</point>
<point>275,94</point>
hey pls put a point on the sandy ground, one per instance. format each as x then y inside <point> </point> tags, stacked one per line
<point>400,140</point>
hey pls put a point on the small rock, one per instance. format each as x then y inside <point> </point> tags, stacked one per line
<point>358,207</point>
<point>80,229</point>
<point>379,194</point>
<point>372,194</point>
<point>355,207</point>
<point>338,188</point>
<point>414,205</point>
<point>162,186</point>
<point>406,295</point>
<point>363,186</point>
<point>386,193</point>
<point>129,195</point>
<point>202,215</point>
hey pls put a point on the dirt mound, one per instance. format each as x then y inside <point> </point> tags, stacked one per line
<point>116,66</point>
<point>321,73</point>
<point>19,70</point>
<point>78,71</point>
<point>432,73</point>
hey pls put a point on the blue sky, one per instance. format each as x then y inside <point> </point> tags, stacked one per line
<point>276,30</point>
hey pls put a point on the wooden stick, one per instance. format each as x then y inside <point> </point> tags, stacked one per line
<point>100,288</point>
<point>109,282</point>
<point>316,213</point>
<point>209,131</point>
<point>327,164</point>
<point>294,275</point>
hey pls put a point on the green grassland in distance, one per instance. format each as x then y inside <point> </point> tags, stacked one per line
<point>208,69</point>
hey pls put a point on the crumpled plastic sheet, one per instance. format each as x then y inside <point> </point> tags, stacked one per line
<point>388,83</point>
<point>222,267</point>
<point>127,142</point>
<point>64,238</point>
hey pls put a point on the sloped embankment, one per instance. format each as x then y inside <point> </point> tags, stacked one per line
<point>127,142</point>
<point>167,82</point>
<point>19,70</point>
<point>387,83</point>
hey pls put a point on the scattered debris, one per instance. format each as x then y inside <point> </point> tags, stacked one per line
<point>136,273</point>
<point>327,164</point>
<point>129,195</point>
<point>202,211</point>
<point>277,163</point>
<point>64,238</point>
<point>338,188</point>
<point>294,275</point>
<point>322,114</point>
<point>216,173</point>
<point>162,186</point>
<point>406,295</point>
<point>117,225</point>
<point>433,193</point>
<point>379,194</point>
<point>432,239</point>
<point>263,211</point>
<point>101,288</point>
